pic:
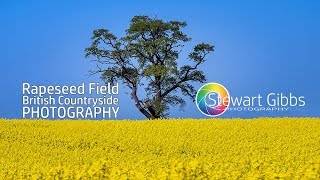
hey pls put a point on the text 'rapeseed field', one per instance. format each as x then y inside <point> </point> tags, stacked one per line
<point>282,148</point>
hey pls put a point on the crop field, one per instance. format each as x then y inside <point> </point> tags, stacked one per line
<point>263,148</point>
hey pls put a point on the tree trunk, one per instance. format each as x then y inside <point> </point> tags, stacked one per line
<point>138,105</point>
<point>158,96</point>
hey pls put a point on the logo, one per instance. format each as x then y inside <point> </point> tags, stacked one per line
<point>212,99</point>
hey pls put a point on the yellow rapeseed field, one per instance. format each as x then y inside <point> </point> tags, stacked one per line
<point>263,148</point>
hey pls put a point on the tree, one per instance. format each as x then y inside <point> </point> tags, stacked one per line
<point>146,58</point>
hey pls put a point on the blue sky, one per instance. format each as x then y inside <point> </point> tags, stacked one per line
<point>261,46</point>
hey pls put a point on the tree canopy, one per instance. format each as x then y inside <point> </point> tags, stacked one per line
<point>146,59</point>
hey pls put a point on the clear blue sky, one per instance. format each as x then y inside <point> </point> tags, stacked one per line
<point>261,46</point>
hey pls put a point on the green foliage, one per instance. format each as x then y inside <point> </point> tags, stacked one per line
<point>157,70</point>
<point>146,57</point>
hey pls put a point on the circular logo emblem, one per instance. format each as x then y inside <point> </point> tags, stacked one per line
<point>212,99</point>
